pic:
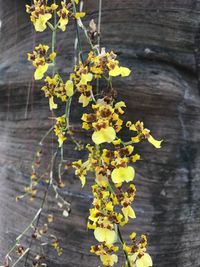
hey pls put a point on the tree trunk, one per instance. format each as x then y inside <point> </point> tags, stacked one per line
<point>160,41</point>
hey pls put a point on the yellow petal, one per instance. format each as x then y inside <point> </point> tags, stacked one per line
<point>105,135</point>
<point>139,263</point>
<point>128,212</point>
<point>79,15</point>
<point>105,235</point>
<point>99,234</point>
<point>85,78</point>
<point>110,236</point>
<point>125,71</point>
<point>147,261</point>
<point>52,105</point>
<point>84,100</point>
<point>83,180</point>
<point>133,235</point>
<point>135,139</point>
<point>69,87</point>
<point>154,142</point>
<point>135,157</point>
<point>54,7</point>
<point>133,128</point>
<point>40,71</point>
<point>109,260</point>
<point>122,174</point>
<point>61,139</point>
<point>76,1</point>
<point>52,56</point>
<point>120,105</point>
<point>115,72</point>
<point>40,22</point>
<point>63,23</point>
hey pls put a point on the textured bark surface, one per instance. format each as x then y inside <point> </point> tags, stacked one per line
<point>160,41</point>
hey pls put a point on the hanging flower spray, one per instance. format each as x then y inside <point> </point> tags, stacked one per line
<point>110,159</point>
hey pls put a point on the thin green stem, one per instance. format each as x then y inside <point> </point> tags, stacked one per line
<point>46,134</point>
<point>67,112</point>
<point>80,24</point>
<point>53,44</point>
<point>80,55</point>
<point>122,243</point>
<point>99,25</point>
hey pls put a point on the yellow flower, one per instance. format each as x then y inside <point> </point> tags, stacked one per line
<point>40,71</point>
<point>54,6</point>
<point>144,261</point>
<point>121,174</point>
<point>84,100</point>
<point>128,212</point>
<point>119,106</point>
<point>63,14</point>
<point>135,158</point>
<point>105,235</point>
<point>61,139</point>
<point>109,260</point>
<point>104,135</point>
<point>63,23</point>
<point>40,22</point>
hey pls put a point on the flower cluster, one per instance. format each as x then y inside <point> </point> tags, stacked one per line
<point>106,63</point>
<point>142,133</point>
<point>137,252</point>
<point>110,159</point>
<point>104,251</point>
<point>41,14</point>
<point>60,129</point>
<point>96,66</point>
<point>105,121</point>
<point>54,87</point>
<point>41,60</point>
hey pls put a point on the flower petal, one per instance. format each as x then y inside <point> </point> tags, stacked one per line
<point>122,174</point>
<point>147,261</point>
<point>40,22</point>
<point>99,234</point>
<point>84,100</point>
<point>125,71</point>
<point>154,142</point>
<point>115,72</point>
<point>104,135</point>
<point>52,105</point>
<point>39,72</point>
